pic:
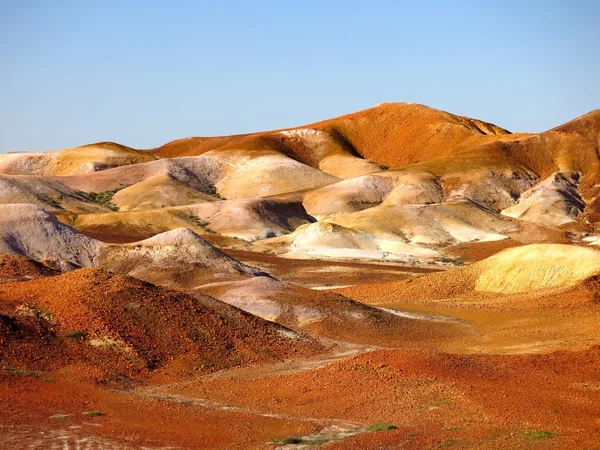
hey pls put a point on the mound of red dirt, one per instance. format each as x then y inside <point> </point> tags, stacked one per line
<point>19,267</point>
<point>116,322</point>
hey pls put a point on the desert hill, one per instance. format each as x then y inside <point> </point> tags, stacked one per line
<point>320,313</point>
<point>555,274</point>
<point>177,258</point>
<point>399,181</point>
<point>391,133</point>
<point>72,161</point>
<point>402,135</point>
<point>120,324</point>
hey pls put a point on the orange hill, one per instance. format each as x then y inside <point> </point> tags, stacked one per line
<point>416,137</point>
<point>118,323</point>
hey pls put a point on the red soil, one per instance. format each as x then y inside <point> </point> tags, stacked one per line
<point>20,267</point>
<point>479,401</point>
<point>122,325</point>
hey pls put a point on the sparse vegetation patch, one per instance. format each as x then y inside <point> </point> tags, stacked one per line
<point>76,335</point>
<point>26,373</point>
<point>381,426</point>
<point>537,435</point>
<point>103,198</point>
<point>94,413</point>
<point>295,440</point>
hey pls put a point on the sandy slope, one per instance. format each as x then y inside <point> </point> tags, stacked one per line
<point>324,239</point>
<point>119,324</point>
<point>52,195</point>
<point>392,130</point>
<point>72,161</point>
<point>321,313</point>
<point>247,219</point>
<point>553,202</point>
<point>159,192</point>
<point>178,257</point>
<point>546,271</point>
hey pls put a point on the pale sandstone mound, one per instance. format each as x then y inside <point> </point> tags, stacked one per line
<point>178,258</point>
<point>354,194</point>
<point>434,224</point>
<point>538,266</point>
<point>49,194</point>
<point>247,174</point>
<point>553,202</point>
<point>160,191</point>
<point>415,188</point>
<point>330,240</point>
<point>538,269</point>
<point>28,230</point>
<point>72,161</point>
<point>494,189</point>
<point>489,188</point>
<point>197,172</point>
<point>232,174</point>
<point>399,232</point>
<point>325,314</point>
<point>247,219</point>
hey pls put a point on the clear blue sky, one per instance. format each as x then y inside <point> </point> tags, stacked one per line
<point>143,73</point>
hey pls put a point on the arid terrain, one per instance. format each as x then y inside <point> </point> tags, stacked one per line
<point>396,278</point>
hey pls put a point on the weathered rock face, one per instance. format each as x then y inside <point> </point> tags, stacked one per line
<point>28,230</point>
<point>178,258</point>
<point>553,202</point>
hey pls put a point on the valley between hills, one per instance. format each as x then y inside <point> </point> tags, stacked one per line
<point>395,278</point>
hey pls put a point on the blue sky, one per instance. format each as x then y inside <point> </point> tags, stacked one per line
<point>143,73</point>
